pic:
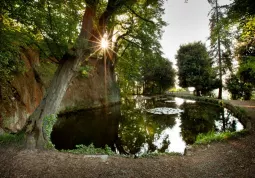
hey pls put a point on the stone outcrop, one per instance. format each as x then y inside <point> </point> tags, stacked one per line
<point>21,95</point>
<point>89,92</point>
<point>26,91</point>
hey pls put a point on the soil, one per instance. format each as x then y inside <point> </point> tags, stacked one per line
<point>232,158</point>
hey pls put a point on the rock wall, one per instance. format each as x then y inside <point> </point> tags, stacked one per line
<point>25,92</point>
<point>89,92</point>
<point>21,96</point>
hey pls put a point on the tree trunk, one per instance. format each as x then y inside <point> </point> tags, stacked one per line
<point>198,93</point>
<point>50,103</point>
<point>93,85</point>
<point>36,137</point>
<point>219,53</point>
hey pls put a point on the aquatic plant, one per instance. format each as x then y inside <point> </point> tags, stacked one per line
<point>164,110</point>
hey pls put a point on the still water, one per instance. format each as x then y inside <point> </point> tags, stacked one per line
<point>130,129</point>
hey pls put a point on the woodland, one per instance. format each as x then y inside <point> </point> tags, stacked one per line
<point>113,47</point>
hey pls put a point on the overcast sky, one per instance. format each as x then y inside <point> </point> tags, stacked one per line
<point>187,22</point>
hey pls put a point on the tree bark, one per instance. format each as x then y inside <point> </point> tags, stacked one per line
<point>92,30</point>
<point>219,53</point>
<point>197,92</point>
<point>36,138</point>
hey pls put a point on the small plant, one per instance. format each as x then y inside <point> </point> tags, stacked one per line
<point>86,70</point>
<point>48,123</point>
<point>154,154</point>
<point>8,138</point>
<point>83,149</point>
<point>241,110</point>
<point>177,90</point>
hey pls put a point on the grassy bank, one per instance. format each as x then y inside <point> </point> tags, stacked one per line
<point>217,137</point>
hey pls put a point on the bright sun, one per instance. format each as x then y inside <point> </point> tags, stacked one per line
<point>104,42</point>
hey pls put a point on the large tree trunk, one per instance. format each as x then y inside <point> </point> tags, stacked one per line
<point>219,53</point>
<point>92,30</point>
<point>36,138</point>
<point>90,91</point>
<point>50,103</point>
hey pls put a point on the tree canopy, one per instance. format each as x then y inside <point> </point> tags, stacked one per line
<point>239,16</point>
<point>70,33</point>
<point>195,67</point>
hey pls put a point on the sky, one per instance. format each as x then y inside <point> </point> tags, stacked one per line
<point>187,22</point>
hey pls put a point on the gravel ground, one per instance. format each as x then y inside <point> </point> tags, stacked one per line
<point>233,158</point>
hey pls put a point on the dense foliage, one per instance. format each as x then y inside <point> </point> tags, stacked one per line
<point>241,15</point>
<point>69,32</point>
<point>139,60</point>
<point>159,77</point>
<point>195,68</point>
<point>235,23</point>
<point>53,26</point>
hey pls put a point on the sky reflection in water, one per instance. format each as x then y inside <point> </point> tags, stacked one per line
<point>130,129</point>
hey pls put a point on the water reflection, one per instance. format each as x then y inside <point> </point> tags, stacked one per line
<point>129,129</point>
<point>99,127</point>
<point>197,118</point>
<point>138,130</point>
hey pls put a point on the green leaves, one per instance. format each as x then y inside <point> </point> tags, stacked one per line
<point>195,67</point>
<point>86,70</point>
<point>48,123</point>
<point>91,150</point>
<point>242,8</point>
<point>159,75</point>
<point>140,53</point>
<point>13,36</point>
<point>54,22</point>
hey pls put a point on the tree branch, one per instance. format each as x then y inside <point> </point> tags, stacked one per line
<point>144,19</point>
<point>134,43</point>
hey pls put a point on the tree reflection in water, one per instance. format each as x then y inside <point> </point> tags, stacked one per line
<point>129,129</point>
<point>203,118</point>
<point>139,130</point>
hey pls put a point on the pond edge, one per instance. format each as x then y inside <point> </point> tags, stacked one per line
<point>238,112</point>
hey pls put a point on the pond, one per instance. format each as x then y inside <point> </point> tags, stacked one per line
<point>135,128</point>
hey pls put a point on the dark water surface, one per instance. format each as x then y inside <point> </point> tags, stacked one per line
<point>129,129</point>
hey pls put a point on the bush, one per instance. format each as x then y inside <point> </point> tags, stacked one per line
<point>238,89</point>
<point>48,123</point>
<point>83,149</point>
<point>8,138</point>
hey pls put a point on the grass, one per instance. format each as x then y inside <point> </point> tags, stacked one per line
<point>90,150</point>
<point>150,155</point>
<point>217,137</point>
<point>7,139</point>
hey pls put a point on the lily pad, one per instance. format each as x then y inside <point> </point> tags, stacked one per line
<point>170,101</point>
<point>164,110</point>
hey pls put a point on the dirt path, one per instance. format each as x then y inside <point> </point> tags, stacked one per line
<point>234,158</point>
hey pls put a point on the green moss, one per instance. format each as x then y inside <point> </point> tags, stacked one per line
<point>6,122</point>
<point>48,123</point>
